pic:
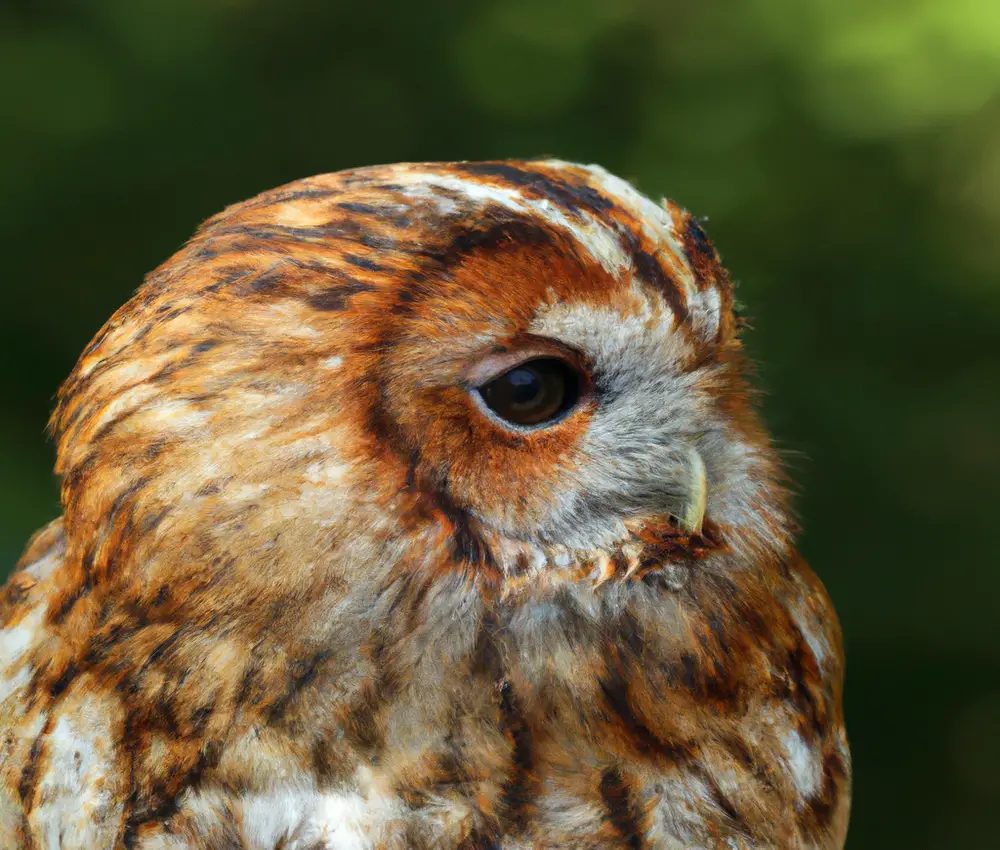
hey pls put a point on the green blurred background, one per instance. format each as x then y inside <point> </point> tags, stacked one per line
<point>846,152</point>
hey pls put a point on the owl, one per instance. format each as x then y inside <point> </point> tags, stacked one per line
<point>422,506</point>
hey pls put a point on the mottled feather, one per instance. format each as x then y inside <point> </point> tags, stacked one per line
<point>306,593</point>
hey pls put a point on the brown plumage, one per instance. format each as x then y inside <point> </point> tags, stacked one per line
<point>422,506</point>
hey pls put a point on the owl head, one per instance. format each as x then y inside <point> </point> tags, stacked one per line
<point>520,372</point>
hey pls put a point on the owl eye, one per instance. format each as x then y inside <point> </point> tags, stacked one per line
<point>534,392</point>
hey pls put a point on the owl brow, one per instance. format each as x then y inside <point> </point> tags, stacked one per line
<point>701,254</point>
<point>497,228</point>
<point>571,197</point>
<point>576,197</point>
<point>651,270</point>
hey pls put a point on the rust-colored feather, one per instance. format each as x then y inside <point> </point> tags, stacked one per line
<point>309,590</point>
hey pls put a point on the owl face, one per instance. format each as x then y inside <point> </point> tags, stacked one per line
<point>527,360</point>
<point>423,506</point>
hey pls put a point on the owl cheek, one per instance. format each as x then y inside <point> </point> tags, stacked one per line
<point>511,482</point>
<point>512,497</point>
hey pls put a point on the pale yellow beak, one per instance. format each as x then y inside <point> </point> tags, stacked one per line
<point>692,512</point>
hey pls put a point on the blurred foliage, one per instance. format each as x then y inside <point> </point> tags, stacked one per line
<point>848,156</point>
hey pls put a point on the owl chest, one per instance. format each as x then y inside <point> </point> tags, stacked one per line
<point>436,778</point>
<point>298,819</point>
<point>555,739</point>
<point>613,809</point>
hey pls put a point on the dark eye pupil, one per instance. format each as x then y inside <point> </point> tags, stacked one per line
<point>533,393</point>
<point>525,386</point>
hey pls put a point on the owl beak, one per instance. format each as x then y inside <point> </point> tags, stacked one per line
<point>692,512</point>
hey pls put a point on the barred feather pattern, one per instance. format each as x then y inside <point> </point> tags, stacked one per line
<point>306,594</point>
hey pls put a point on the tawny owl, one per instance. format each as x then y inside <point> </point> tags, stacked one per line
<point>422,506</point>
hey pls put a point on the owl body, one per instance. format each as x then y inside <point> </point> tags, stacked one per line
<point>422,506</point>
